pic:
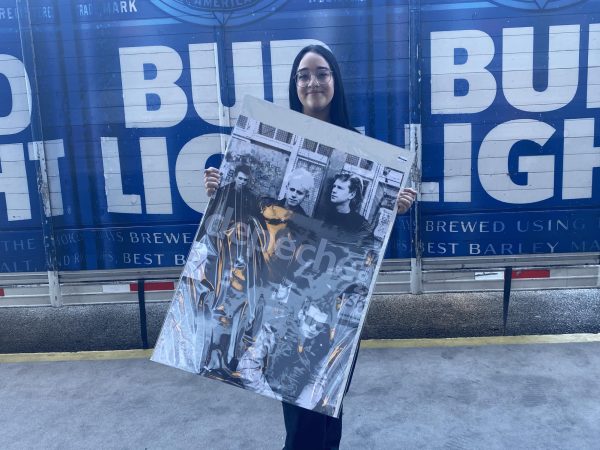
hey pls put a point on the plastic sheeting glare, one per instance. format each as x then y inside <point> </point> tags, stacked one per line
<point>278,280</point>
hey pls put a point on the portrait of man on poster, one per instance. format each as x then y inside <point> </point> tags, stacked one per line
<point>298,186</point>
<point>342,208</point>
<point>281,363</point>
<point>234,201</point>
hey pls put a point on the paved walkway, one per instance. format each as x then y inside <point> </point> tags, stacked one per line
<point>411,395</point>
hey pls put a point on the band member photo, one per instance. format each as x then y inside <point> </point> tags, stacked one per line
<point>344,201</point>
<point>298,186</point>
<point>233,202</point>
<point>329,380</point>
<point>281,363</point>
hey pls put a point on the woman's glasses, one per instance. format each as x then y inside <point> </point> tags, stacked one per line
<point>321,76</point>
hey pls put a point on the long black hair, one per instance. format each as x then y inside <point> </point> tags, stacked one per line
<point>339,109</point>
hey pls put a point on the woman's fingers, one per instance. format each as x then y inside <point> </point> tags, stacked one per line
<point>410,191</point>
<point>211,188</point>
<point>406,198</point>
<point>212,178</point>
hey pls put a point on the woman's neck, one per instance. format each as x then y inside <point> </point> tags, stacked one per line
<point>321,115</point>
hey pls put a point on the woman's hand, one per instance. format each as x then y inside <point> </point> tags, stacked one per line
<point>212,178</point>
<point>406,197</point>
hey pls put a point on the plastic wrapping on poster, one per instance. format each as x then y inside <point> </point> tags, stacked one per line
<point>278,281</point>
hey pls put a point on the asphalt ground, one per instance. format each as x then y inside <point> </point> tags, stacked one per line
<point>464,394</point>
<point>117,326</point>
<point>460,393</point>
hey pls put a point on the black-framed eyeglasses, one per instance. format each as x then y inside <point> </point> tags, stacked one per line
<point>321,76</point>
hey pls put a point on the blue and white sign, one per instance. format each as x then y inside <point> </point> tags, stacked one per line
<point>510,130</point>
<point>124,103</point>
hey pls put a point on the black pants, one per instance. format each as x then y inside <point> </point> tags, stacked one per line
<point>309,430</point>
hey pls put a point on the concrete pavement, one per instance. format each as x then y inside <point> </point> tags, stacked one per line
<point>448,396</point>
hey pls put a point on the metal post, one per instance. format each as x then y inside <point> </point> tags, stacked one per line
<point>506,297</point>
<point>142,306</point>
<point>414,95</point>
<point>37,148</point>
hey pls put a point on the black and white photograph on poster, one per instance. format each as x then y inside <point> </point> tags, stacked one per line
<point>278,280</point>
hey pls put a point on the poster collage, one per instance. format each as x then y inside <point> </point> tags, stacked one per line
<point>278,280</point>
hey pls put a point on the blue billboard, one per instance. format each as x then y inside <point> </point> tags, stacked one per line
<point>511,154</point>
<point>111,110</point>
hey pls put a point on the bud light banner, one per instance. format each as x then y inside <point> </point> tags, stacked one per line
<point>511,127</point>
<point>135,98</point>
<point>277,284</point>
<point>111,110</point>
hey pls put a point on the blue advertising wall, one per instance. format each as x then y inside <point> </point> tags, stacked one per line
<point>528,110</point>
<point>134,98</point>
<point>21,237</point>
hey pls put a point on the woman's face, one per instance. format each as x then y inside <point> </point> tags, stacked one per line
<point>315,97</point>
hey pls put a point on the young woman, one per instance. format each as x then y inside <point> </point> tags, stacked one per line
<point>315,89</point>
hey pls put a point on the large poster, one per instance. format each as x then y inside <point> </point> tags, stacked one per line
<point>278,280</point>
